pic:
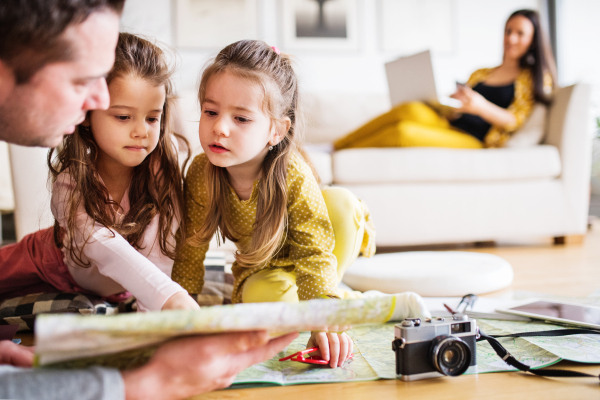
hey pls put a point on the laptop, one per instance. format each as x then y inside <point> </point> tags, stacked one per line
<point>411,79</point>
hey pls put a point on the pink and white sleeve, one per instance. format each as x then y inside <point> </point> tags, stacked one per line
<point>114,257</point>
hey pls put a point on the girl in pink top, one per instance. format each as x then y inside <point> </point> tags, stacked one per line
<point>117,196</point>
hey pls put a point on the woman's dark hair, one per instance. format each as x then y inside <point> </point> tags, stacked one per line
<point>539,58</point>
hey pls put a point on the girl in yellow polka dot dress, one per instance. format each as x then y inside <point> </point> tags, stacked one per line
<point>254,186</point>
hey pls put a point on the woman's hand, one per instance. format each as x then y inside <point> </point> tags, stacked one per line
<point>473,102</point>
<point>181,301</point>
<point>333,346</point>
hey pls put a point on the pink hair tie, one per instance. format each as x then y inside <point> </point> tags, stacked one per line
<point>275,49</point>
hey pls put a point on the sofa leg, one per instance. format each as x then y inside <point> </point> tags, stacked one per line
<point>485,243</point>
<point>571,239</point>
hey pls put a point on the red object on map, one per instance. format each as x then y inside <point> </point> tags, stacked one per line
<point>301,357</point>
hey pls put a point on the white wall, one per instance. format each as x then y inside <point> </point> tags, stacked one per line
<point>579,46</point>
<point>478,29</point>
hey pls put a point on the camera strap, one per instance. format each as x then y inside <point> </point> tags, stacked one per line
<point>513,362</point>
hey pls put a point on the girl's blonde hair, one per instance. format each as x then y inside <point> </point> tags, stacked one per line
<point>156,186</point>
<point>273,73</point>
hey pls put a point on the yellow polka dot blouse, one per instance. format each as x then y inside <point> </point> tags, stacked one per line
<point>521,107</point>
<point>308,244</point>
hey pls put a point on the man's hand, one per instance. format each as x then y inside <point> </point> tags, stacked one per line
<point>180,301</point>
<point>195,365</point>
<point>13,354</point>
<point>334,347</point>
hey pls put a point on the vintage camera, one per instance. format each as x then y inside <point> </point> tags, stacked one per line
<point>434,347</point>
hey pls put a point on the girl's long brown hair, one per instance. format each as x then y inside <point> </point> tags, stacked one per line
<point>156,185</point>
<point>273,73</point>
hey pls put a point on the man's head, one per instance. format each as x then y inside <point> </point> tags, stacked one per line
<point>54,55</point>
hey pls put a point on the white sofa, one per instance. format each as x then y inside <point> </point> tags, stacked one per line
<point>435,195</point>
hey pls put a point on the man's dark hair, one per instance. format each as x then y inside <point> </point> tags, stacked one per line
<point>31,31</point>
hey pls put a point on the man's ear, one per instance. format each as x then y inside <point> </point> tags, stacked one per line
<point>280,129</point>
<point>7,81</point>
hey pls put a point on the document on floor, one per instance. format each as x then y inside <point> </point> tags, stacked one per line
<point>128,340</point>
<point>70,338</point>
<point>483,307</point>
<point>374,359</point>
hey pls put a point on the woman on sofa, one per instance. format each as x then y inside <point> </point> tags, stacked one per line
<point>495,101</point>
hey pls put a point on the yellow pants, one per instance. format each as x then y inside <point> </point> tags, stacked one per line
<point>350,220</point>
<point>411,124</point>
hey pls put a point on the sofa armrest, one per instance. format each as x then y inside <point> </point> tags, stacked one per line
<point>568,130</point>
<point>31,189</point>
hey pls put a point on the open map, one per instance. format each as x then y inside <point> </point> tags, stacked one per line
<point>127,340</point>
<point>374,358</point>
<point>71,338</point>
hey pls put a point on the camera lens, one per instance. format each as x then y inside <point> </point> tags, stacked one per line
<point>449,355</point>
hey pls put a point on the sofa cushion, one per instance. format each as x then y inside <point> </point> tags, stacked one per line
<point>330,116</point>
<point>321,160</point>
<point>430,164</point>
<point>532,131</point>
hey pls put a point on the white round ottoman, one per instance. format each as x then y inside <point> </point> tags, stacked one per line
<point>430,273</point>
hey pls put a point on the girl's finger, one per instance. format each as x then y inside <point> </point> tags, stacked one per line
<point>334,349</point>
<point>343,338</point>
<point>351,347</point>
<point>323,343</point>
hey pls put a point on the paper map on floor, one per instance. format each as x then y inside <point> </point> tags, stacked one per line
<point>128,340</point>
<point>71,338</point>
<point>374,358</point>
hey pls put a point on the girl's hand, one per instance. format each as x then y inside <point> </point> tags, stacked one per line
<point>333,346</point>
<point>180,301</point>
<point>473,102</point>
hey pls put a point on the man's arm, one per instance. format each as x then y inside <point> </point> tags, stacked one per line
<point>179,369</point>
<point>54,384</point>
<point>196,365</point>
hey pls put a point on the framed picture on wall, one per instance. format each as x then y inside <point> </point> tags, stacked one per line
<point>412,26</point>
<point>214,23</point>
<point>320,24</point>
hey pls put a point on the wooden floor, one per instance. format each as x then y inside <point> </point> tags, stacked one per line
<point>539,266</point>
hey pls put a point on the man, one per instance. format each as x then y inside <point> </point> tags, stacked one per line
<point>54,55</point>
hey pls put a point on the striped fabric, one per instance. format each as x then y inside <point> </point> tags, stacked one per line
<point>23,310</point>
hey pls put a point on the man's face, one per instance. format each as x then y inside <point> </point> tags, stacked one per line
<point>57,97</point>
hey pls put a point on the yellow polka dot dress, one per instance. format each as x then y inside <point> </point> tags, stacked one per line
<point>307,248</point>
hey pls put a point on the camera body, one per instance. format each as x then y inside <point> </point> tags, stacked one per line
<point>434,347</point>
